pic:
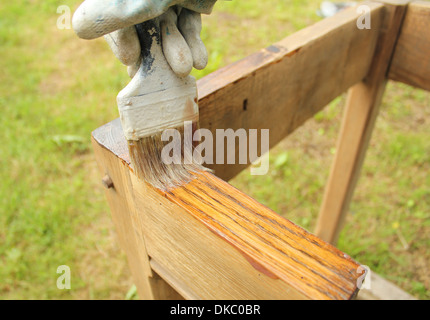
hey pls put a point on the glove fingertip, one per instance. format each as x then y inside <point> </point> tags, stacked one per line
<point>176,50</point>
<point>200,58</point>
<point>125,45</point>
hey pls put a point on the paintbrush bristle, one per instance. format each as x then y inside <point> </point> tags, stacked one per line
<point>148,165</point>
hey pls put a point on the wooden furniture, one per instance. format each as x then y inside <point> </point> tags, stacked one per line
<point>208,240</point>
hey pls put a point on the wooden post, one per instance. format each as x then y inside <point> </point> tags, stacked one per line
<point>116,180</point>
<point>359,119</point>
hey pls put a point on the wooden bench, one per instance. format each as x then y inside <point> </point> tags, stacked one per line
<point>208,240</point>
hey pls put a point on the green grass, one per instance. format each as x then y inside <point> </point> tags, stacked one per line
<point>55,89</point>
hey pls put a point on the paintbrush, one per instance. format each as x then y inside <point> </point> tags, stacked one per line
<point>159,111</point>
<point>158,108</point>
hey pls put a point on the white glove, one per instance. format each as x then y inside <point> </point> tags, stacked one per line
<point>180,24</point>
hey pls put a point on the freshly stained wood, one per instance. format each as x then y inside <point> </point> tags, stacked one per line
<point>411,63</point>
<point>214,242</point>
<point>180,287</point>
<point>361,111</point>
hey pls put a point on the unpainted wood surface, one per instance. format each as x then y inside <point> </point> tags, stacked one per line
<point>411,63</point>
<point>214,242</point>
<point>361,111</point>
<point>149,285</point>
<point>282,86</point>
<point>175,282</point>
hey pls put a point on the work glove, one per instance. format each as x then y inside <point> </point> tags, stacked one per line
<point>179,22</point>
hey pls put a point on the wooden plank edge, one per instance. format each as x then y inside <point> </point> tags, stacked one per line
<point>411,62</point>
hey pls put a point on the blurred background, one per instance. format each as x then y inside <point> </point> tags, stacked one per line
<point>55,89</point>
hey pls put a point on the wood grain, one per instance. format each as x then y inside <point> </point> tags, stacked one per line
<point>287,83</point>
<point>224,245</point>
<point>210,241</point>
<point>411,63</point>
<point>361,111</point>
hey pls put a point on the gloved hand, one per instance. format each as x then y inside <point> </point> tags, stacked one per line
<point>180,24</point>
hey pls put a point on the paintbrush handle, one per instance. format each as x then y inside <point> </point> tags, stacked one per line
<point>156,98</point>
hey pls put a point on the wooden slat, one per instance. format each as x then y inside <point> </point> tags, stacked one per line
<point>210,241</point>
<point>280,87</point>
<point>359,119</point>
<point>411,63</point>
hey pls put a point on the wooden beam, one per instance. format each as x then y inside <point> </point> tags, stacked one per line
<point>411,63</point>
<point>118,192</point>
<point>210,241</point>
<point>282,86</point>
<point>359,119</point>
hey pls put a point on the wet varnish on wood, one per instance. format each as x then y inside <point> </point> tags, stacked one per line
<point>211,241</point>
